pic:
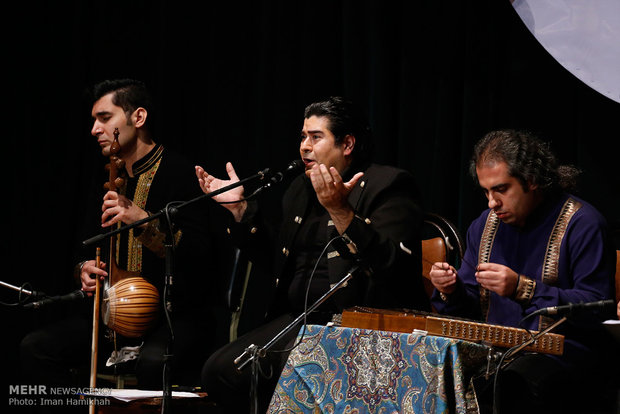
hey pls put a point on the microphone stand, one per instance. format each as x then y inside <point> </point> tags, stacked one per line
<point>168,213</point>
<point>169,255</point>
<point>514,350</point>
<point>253,352</point>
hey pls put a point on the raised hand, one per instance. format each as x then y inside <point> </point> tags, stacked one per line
<point>332,192</point>
<point>230,199</point>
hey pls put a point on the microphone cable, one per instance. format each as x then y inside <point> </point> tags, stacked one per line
<point>303,332</point>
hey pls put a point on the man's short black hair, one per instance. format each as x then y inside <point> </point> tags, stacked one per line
<point>345,118</point>
<point>129,94</point>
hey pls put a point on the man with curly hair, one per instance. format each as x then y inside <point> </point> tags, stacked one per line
<point>536,246</point>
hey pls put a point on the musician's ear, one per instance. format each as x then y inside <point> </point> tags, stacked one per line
<point>139,117</point>
<point>348,144</point>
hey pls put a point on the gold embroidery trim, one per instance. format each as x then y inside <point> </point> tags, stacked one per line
<point>525,289</point>
<point>145,166</point>
<point>551,263</point>
<point>484,253</point>
<point>134,256</point>
<point>552,254</point>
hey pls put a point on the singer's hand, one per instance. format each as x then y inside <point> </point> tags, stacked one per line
<point>209,183</point>
<point>88,282</point>
<point>333,193</point>
<point>443,277</point>
<point>497,278</point>
<point>117,207</point>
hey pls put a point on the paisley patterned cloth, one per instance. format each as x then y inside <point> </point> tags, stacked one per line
<point>350,370</point>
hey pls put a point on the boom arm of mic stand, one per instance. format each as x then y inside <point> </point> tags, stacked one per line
<point>534,338</point>
<point>252,351</point>
<point>259,175</point>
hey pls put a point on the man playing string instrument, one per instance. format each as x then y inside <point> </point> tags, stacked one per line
<point>536,246</point>
<point>154,176</point>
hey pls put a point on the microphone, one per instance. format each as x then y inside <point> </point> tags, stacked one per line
<point>69,297</point>
<point>293,167</point>
<point>571,307</point>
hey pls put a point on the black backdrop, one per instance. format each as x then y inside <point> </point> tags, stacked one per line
<point>232,79</point>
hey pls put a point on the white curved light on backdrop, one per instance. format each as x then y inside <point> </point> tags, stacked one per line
<point>582,35</point>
